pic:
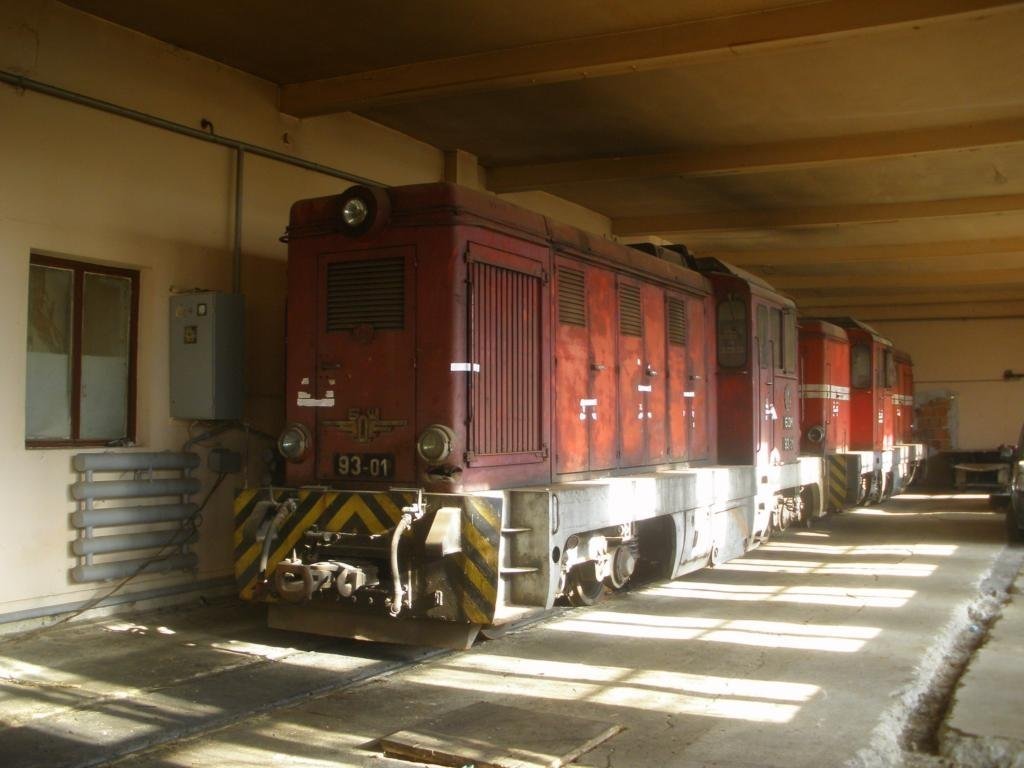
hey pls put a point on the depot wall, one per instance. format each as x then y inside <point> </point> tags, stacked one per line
<point>966,358</point>
<point>86,185</point>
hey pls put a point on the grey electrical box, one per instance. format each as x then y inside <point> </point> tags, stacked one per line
<point>207,355</point>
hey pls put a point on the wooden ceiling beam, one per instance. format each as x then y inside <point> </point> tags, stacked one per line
<point>830,300</point>
<point>867,253</point>
<point>614,54</point>
<point>778,218</point>
<point>942,311</point>
<point>757,158</point>
<point>905,280</point>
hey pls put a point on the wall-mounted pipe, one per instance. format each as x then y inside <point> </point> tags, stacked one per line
<point>134,460</point>
<point>123,568</point>
<point>27,84</point>
<point>236,253</point>
<point>134,489</point>
<point>123,542</point>
<point>110,516</point>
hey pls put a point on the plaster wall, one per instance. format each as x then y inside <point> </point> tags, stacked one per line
<point>967,358</point>
<point>85,185</point>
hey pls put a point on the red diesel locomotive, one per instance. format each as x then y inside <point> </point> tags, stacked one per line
<point>488,410</point>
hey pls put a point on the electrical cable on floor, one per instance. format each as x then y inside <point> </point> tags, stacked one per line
<point>187,527</point>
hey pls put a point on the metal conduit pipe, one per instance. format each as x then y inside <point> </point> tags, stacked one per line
<point>236,259</point>
<point>124,542</point>
<point>123,568</point>
<point>157,513</point>
<point>131,460</point>
<point>134,489</point>
<point>27,84</point>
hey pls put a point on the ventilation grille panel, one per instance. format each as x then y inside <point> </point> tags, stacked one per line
<point>370,292</point>
<point>675,311</point>
<point>506,342</point>
<point>631,322</point>
<point>572,307</point>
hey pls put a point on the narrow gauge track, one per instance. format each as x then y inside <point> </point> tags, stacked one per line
<point>103,693</point>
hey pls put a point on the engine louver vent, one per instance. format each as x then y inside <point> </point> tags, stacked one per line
<point>368,292</point>
<point>572,307</point>
<point>675,311</point>
<point>631,322</point>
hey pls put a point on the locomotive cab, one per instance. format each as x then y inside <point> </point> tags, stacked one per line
<point>758,413</point>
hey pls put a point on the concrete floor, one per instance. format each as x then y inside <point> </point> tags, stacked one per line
<point>814,650</point>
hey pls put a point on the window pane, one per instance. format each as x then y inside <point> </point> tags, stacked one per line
<point>763,342</point>
<point>48,381</point>
<point>106,324</point>
<point>732,333</point>
<point>790,342</point>
<point>860,366</point>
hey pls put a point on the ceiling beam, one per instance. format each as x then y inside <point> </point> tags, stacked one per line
<point>615,53</point>
<point>756,158</point>
<point>777,218</point>
<point>866,253</point>
<point>947,311</point>
<point>831,300</point>
<point>906,280</point>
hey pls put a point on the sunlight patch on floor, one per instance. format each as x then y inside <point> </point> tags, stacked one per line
<point>855,597</point>
<point>910,570</point>
<point>660,690</point>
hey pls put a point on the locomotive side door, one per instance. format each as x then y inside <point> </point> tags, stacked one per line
<point>677,374</point>
<point>633,383</point>
<point>767,413</point>
<point>604,415</point>
<point>696,389</point>
<point>655,421</point>
<point>573,398</point>
<point>888,387</point>
<point>365,322</point>
<point>585,387</point>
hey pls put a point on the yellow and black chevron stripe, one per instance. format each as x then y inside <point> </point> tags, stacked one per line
<point>838,482</point>
<point>471,575</point>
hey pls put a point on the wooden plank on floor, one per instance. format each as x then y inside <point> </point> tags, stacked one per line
<point>487,735</point>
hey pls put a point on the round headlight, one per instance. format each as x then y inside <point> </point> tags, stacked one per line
<point>293,442</point>
<point>355,212</point>
<point>435,443</point>
<point>364,210</point>
<point>816,434</point>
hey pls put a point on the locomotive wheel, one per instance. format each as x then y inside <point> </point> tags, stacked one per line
<point>584,589</point>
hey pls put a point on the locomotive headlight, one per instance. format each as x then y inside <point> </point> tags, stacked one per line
<point>816,433</point>
<point>363,210</point>
<point>293,442</point>
<point>355,212</point>
<point>435,443</point>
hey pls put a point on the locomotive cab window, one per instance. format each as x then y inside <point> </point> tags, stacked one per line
<point>764,346</point>
<point>82,337</point>
<point>732,332</point>
<point>775,337</point>
<point>789,341</point>
<point>860,366</point>
<point>890,369</point>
